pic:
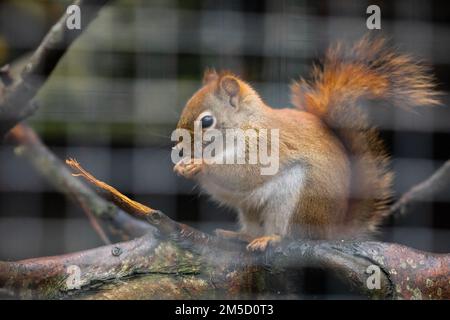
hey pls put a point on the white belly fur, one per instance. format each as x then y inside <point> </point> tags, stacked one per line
<point>276,199</point>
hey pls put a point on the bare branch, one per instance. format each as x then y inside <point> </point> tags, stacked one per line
<point>150,267</point>
<point>217,267</point>
<point>94,222</point>
<point>147,268</point>
<point>185,262</point>
<point>401,268</point>
<point>16,102</point>
<point>121,200</point>
<point>117,224</point>
<point>183,234</point>
<point>426,190</point>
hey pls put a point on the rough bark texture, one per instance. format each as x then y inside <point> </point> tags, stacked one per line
<point>153,268</point>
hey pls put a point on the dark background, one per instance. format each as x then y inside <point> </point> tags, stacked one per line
<point>115,98</point>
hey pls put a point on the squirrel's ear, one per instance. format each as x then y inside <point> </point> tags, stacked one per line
<point>229,86</point>
<point>209,75</point>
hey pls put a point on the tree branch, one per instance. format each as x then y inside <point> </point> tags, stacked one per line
<point>178,261</point>
<point>15,105</point>
<point>148,267</point>
<point>117,225</point>
<point>350,260</point>
<point>183,234</point>
<point>186,263</point>
<point>426,190</point>
<point>406,273</point>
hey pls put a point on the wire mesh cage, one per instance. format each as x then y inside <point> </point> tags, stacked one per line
<point>116,96</point>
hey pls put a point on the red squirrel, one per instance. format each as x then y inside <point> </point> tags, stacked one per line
<point>333,180</point>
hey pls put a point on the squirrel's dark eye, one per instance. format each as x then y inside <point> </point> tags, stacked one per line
<point>207,121</point>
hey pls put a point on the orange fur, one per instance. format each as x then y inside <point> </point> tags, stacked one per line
<point>371,71</point>
<point>328,149</point>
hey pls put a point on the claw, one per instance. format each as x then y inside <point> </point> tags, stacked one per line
<point>187,168</point>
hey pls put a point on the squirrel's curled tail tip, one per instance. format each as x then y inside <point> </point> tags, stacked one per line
<point>369,69</point>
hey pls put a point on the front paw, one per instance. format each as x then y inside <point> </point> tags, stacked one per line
<point>188,168</point>
<point>262,243</point>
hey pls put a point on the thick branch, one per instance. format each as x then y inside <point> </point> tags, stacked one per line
<point>406,273</point>
<point>185,262</point>
<point>144,268</point>
<point>15,105</point>
<point>117,225</point>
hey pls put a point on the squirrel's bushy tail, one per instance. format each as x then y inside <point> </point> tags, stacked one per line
<point>338,88</point>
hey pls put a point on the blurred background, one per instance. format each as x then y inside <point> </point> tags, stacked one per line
<point>115,99</point>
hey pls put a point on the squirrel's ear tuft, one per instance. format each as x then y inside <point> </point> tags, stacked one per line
<point>209,75</point>
<point>230,87</point>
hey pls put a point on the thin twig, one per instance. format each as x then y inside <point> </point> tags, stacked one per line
<point>121,200</point>
<point>403,273</point>
<point>94,222</point>
<point>426,190</point>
